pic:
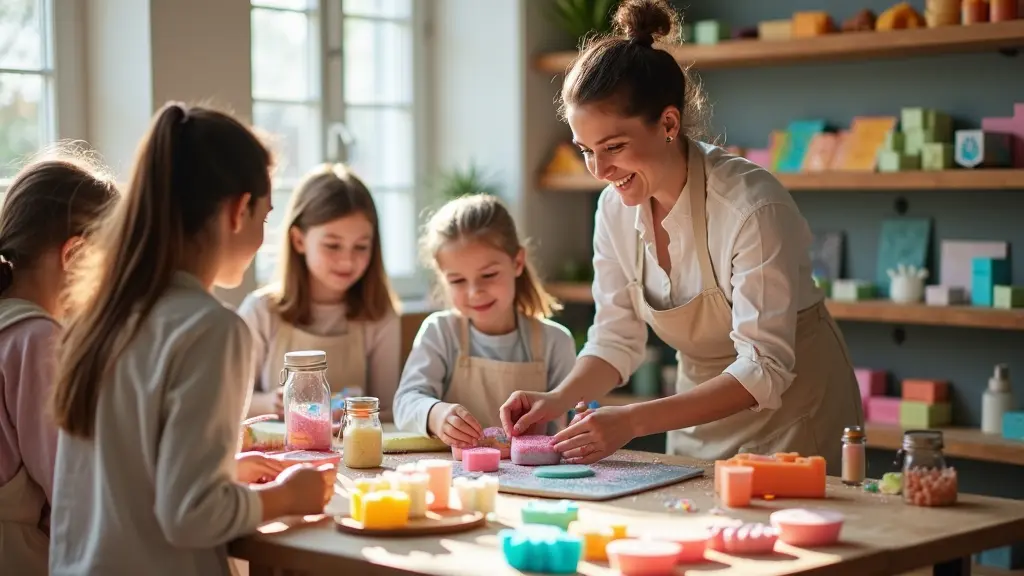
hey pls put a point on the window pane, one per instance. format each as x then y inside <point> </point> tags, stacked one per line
<point>397,213</point>
<point>379,8</point>
<point>378,62</point>
<point>22,120</point>
<point>297,135</point>
<point>289,4</point>
<point>266,258</point>
<point>282,56</point>
<point>382,151</point>
<point>21,41</point>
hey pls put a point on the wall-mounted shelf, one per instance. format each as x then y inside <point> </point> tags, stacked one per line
<point>968,443</point>
<point>839,47</point>
<point>882,311</point>
<point>971,180</point>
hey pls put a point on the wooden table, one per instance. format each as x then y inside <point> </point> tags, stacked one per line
<point>882,535</point>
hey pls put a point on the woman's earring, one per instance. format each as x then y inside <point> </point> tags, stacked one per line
<point>669,138</point>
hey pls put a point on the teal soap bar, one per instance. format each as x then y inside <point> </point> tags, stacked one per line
<point>1013,425</point>
<point>538,548</point>
<point>553,513</point>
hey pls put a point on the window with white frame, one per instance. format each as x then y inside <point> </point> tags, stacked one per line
<point>27,102</point>
<point>338,80</point>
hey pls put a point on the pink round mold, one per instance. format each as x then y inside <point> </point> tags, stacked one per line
<point>807,527</point>
<point>633,557</point>
<point>754,538</point>
<point>692,543</point>
<point>534,450</point>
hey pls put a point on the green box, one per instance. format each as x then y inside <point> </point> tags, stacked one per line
<point>1007,296</point>
<point>923,415</point>
<point>939,123</point>
<point>916,138</point>
<point>937,156</point>
<point>852,290</point>
<point>825,284</point>
<point>894,141</point>
<point>710,31</point>
<point>890,161</point>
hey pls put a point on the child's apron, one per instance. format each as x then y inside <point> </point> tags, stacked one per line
<point>346,355</point>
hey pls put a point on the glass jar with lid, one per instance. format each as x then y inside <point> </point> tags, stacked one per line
<point>362,436</point>
<point>927,479</point>
<point>854,456</point>
<point>307,401</point>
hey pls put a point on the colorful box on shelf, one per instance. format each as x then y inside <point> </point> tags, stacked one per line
<point>982,149</point>
<point>1007,296</point>
<point>915,414</point>
<point>775,30</point>
<point>937,124</point>
<point>1013,127</point>
<point>871,383</point>
<point>986,273</point>
<point>852,290</point>
<point>785,475</point>
<point>1005,557</point>
<point>812,23</point>
<point>1013,425</point>
<point>937,156</point>
<point>895,161</point>
<point>924,390</point>
<point>710,31</point>
<point>938,295</point>
<point>883,410</point>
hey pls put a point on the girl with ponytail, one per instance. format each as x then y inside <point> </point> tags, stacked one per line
<point>153,370</point>
<point>47,212</point>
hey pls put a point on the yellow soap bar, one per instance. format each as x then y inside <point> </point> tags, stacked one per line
<point>362,487</point>
<point>385,509</point>
<point>595,540</point>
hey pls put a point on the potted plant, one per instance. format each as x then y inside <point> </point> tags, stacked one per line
<point>581,17</point>
<point>459,182</point>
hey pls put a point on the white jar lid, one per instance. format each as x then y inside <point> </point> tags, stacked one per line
<point>304,358</point>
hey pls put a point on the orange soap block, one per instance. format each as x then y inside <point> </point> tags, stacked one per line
<point>812,23</point>
<point>784,475</point>
<point>737,485</point>
<point>927,391</point>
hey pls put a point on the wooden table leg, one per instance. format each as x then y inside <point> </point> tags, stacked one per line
<point>956,567</point>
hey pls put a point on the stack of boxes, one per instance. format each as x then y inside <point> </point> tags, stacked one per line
<point>872,387</point>
<point>990,284</point>
<point>925,404</point>
<point>925,142</point>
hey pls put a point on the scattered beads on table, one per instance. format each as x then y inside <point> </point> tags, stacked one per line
<point>683,504</point>
<point>930,486</point>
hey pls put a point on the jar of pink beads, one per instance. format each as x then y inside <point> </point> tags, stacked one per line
<point>927,480</point>
<point>307,401</point>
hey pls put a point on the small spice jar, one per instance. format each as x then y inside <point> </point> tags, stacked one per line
<point>927,480</point>
<point>854,457</point>
<point>362,436</point>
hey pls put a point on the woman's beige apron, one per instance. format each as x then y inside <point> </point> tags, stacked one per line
<point>823,398</point>
<point>346,355</point>
<point>24,547</point>
<point>482,385</point>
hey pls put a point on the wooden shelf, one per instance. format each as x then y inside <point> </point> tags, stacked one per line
<point>839,47</point>
<point>883,311</point>
<point>966,180</point>
<point>968,443</point>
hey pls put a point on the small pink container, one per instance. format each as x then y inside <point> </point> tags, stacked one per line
<point>481,459</point>
<point>642,557</point>
<point>807,527</point>
<point>692,544</point>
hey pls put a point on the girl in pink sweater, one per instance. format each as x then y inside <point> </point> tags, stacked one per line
<point>48,209</point>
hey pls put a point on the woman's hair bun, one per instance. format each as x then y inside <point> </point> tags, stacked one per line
<point>644,21</point>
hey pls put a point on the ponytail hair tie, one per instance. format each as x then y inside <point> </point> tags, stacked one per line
<point>6,273</point>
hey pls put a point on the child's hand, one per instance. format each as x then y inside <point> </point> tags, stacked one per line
<point>454,425</point>
<point>307,488</point>
<point>256,468</point>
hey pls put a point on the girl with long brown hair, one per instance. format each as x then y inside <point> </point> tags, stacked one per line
<point>153,370</point>
<point>331,293</point>
<point>48,209</point>
<point>496,338</point>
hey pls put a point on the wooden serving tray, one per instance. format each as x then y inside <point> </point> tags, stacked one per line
<point>436,522</point>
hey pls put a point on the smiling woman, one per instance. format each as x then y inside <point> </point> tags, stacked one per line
<point>710,251</point>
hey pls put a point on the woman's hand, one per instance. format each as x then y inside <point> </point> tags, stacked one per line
<point>523,410</point>
<point>256,468</point>
<point>596,435</point>
<point>454,425</point>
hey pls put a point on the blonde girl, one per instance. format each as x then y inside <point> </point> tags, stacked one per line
<point>153,371</point>
<point>495,339</point>
<point>331,293</point>
<point>48,209</point>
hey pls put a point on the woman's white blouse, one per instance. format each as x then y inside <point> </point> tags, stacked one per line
<point>760,250</point>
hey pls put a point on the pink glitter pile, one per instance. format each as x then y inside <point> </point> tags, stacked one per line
<point>305,433</point>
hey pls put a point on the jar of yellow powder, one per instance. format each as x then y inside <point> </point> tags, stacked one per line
<point>362,436</point>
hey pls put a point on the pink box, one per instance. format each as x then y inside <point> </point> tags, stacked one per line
<point>481,459</point>
<point>883,410</point>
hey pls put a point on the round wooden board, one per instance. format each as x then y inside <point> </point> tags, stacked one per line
<point>436,522</point>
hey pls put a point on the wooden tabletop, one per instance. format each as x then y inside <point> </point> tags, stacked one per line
<point>882,535</point>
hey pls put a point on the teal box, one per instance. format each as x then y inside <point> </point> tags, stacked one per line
<point>1013,425</point>
<point>986,273</point>
<point>1006,557</point>
<point>710,31</point>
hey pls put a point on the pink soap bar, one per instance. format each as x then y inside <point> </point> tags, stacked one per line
<point>642,557</point>
<point>884,409</point>
<point>746,539</point>
<point>534,450</point>
<point>692,544</point>
<point>807,527</point>
<point>481,459</point>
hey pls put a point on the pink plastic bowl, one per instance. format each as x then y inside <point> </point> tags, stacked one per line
<point>642,557</point>
<point>692,544</point>
<point>807,527</point>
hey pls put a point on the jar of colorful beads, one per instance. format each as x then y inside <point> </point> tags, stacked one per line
<point>307,401</point>
<point>927,480</point>
<point>363,436</point>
